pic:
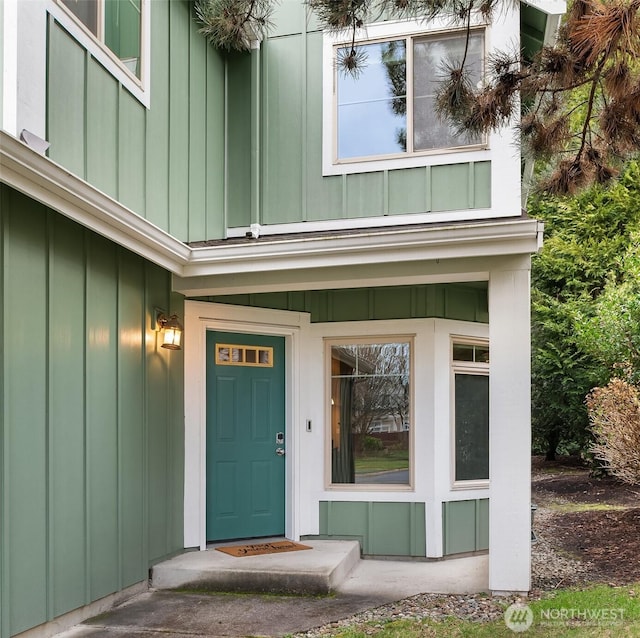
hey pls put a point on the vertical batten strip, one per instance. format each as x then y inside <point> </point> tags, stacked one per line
<point>118,415</point>
<point>49,492</point>
<point>255,134</point>
<point>87,434</point>
<point>168,444</point>
<point>304,123</point>
<point>428,194</point>
<point>147,323</point>
<point>385,192</point>
<point>370,530</point>
<point>85,105</point>
<point>471,185</point>
<point>225,198</point>
<point>4,456</point>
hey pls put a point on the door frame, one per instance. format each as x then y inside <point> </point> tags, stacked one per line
<point>202,316</point>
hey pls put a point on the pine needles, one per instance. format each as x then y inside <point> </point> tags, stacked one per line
<point>581,95</point>
<point>233,24</point>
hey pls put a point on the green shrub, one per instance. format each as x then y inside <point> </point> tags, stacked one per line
<point>371,444</point>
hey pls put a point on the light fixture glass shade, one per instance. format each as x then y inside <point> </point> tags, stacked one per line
<point>171,332</point>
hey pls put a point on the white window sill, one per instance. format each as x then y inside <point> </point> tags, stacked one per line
<point>470,485</point>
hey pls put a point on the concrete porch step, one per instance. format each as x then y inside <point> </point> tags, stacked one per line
<point>319,570</point>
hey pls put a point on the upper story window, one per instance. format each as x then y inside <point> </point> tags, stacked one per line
<point>385,116</point>
<point>116,33</point>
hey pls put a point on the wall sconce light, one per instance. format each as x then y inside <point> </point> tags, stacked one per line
<point>171,330</point>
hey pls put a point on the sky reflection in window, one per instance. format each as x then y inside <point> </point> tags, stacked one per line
<point>372,106</point>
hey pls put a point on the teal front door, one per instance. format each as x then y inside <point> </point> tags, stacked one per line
<point>245,436</point>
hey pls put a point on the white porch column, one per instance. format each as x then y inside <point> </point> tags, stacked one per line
<point>510,427</point>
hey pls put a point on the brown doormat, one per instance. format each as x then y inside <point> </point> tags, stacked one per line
<point>257,549</point>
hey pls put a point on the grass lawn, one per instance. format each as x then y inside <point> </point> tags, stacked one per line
<point>600,611</point>
<point>382,461</point>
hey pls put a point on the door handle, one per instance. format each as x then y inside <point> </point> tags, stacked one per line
<point>280,451</point>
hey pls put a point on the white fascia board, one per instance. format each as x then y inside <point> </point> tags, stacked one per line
<point>378,245</point>
<point>550,7</point>
<point>383,273</point>
<point>381,256</point>
<point>52,185</point>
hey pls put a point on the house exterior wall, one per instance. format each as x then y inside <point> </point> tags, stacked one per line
<point>91,463</point>
<point>466,302</point>
<point>220,146</point>
<point>289,134</point>
<point>165,163</point>
<point>2,54</point>
<point>398,529</point>
<point>420,518</point>
<point>228,143</point>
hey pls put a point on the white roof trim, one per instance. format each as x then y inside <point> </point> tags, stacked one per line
<point>550,7</point>
<point>51,184</point>
<point>451,241</point>
<point>42,179</point>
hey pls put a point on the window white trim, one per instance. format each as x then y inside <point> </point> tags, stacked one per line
<point>381,338</point>
<point>377,32</point>
<point>464,367</point>
<point>140,88</point>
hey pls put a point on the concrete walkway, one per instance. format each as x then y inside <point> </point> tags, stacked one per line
<point>371,583</point>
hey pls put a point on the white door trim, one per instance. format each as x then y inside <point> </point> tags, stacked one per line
<point>200,317</point>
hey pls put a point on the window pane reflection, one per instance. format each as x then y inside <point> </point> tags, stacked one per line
<point>370,413</point>
<point>472,427</point>
<point>429,57</point>
<point>86,11</point>
<point>372,106</point>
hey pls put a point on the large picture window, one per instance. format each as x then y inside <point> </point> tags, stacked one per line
<point>370,413</point>
<point>388,108</point>
<point>471,412</point>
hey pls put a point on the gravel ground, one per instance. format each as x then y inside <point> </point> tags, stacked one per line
<point>549,570</point>
<point>476,607</point>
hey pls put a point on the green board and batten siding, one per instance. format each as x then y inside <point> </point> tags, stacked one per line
<point>294,189</point>
<point>398,529</point>
<point>1,62</point>
<point>168,164</point>
<point>464,302</point>
<point>383,529</point>
<point>465,526</point>
<point>91,421</point>
<point>165,163</point>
